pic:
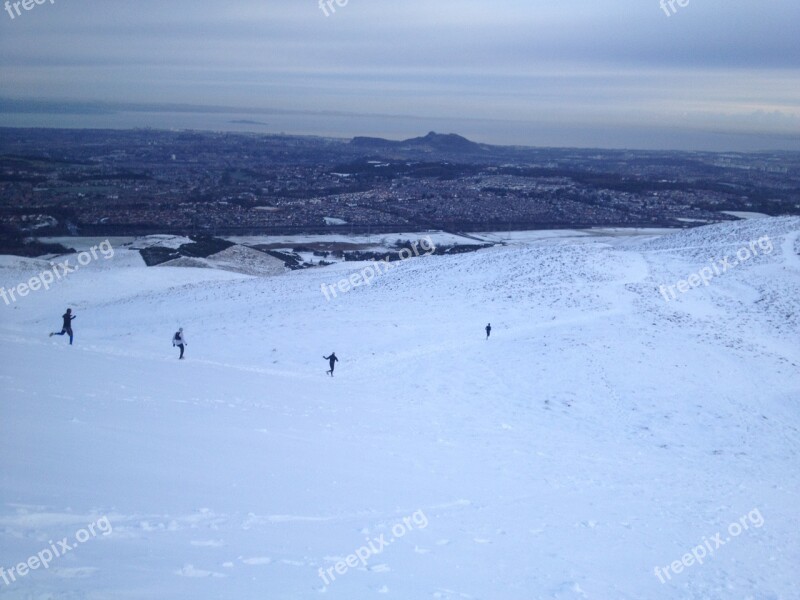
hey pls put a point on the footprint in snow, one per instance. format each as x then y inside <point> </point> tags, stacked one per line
<point>207,543</point>
<point>190,571</point>
<point>257,560</point>
<point>75,573</point>
<point>448,594</point>
<point>569,590</point>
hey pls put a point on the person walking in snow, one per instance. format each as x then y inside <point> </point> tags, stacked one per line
<point>488,330</point>
<point>332,361</point>
<point>179,340</point>
<point>66,328</point>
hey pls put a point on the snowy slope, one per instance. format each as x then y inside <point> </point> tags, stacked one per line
<point>602,430</point>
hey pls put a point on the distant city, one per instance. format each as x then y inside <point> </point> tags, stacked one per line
<point>56,182</point>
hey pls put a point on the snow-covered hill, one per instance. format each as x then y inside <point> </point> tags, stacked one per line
<point>603,430</point>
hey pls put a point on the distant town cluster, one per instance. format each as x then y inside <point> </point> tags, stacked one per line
<point>135,182</point>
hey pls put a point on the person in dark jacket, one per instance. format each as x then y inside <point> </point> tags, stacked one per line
<point>66,328</point>
<point>488,330</point>
<point>332,361</point>
<point>180,341</point>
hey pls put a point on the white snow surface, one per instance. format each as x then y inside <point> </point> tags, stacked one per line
<point>744,214</point>
<point>601,432</point>
<point>388,241</point>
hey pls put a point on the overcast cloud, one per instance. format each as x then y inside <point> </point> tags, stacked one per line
<point>714,66</point>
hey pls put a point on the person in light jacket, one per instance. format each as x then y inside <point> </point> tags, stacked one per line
<point>179,340</point>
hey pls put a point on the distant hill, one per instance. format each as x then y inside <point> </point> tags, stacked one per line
<point>451,143</point>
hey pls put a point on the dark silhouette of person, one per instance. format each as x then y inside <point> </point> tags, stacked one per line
<point>67,326</point>
<point>488,330</point>
<point>332,361</point>
<point>180,341</point>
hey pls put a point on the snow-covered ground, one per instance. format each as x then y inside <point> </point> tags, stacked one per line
<point>745,214</point>
<point>376,241</point>
<point>386,241</point>
<point>602,431</point>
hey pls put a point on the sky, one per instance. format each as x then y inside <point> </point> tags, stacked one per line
<point>712,74</point>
